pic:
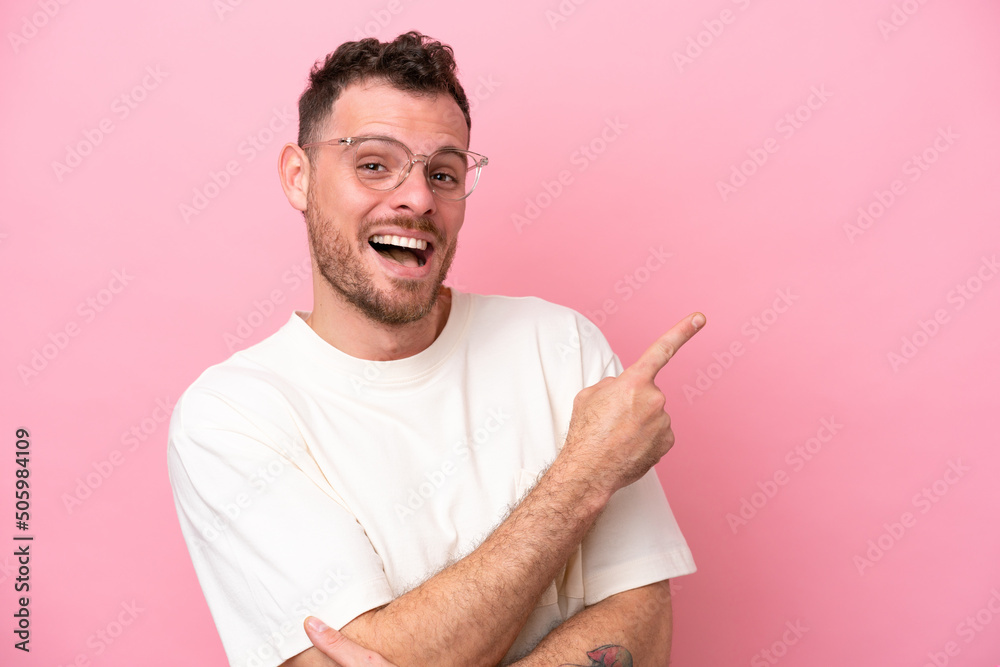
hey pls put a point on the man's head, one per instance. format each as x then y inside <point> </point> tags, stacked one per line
<point>405,90</point>
<point>412,63</point>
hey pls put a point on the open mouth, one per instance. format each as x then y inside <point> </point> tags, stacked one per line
<point>403,250</point>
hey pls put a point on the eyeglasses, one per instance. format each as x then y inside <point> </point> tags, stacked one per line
<point>383,164</point>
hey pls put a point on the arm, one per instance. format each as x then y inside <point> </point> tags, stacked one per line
<point>471,613</point>
<point>633,626</point>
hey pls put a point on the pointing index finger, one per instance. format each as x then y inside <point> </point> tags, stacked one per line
<point>666,346</point>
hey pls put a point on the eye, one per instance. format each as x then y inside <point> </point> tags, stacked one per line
<point>443,177</point>
<point>372,167</point>
<point>448,169</point>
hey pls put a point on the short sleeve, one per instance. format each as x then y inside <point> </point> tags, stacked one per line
<point>636,540</point>
<point>270,542</point>
<point>597,359</point>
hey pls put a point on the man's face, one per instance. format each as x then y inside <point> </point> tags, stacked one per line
<point>390,285</point>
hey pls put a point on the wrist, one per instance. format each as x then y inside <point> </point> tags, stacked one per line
<point>588,488</point>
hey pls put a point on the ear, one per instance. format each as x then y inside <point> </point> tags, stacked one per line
<point>293,171</point>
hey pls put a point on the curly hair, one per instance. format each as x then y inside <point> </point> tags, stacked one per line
<point>412,62</point>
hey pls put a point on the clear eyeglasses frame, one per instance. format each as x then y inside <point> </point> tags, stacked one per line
<point>383,163</point>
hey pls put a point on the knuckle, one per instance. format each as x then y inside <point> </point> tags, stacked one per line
<point>655,399</point>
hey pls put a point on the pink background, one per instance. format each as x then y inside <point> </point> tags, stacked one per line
<point>828,546</point>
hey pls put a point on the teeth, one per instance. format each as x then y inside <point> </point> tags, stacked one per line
<point>401,241</point>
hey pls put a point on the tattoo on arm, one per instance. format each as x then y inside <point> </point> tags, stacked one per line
<point>609,655</point>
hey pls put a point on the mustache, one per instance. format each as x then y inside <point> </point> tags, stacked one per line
<point>406,222</point>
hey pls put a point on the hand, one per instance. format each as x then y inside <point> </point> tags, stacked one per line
<point>619,428</point>
<point>339,648</point>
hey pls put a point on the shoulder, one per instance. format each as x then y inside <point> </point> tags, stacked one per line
<point>559,333</point>
<point>244,389</point>
<point>523,311</point>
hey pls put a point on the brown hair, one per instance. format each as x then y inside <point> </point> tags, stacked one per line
<point>412,62</point>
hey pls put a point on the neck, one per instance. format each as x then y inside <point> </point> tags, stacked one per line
<point>342,325</point>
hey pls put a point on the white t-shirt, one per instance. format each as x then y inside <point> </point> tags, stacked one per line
<point>310,482</point>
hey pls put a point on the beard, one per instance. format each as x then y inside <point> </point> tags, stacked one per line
<point>342,263</point>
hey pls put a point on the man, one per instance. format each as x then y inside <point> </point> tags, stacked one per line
<point>446,478</point>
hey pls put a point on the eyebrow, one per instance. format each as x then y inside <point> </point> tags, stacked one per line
<point>387,136</point>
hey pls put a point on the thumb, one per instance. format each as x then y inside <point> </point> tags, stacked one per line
<point>326,639</point>
<point>339,648</point>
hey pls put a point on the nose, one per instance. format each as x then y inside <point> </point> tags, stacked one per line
<point>414,194</point>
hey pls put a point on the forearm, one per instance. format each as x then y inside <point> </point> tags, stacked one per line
<point>471,612</point>
<point>637,623</point>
